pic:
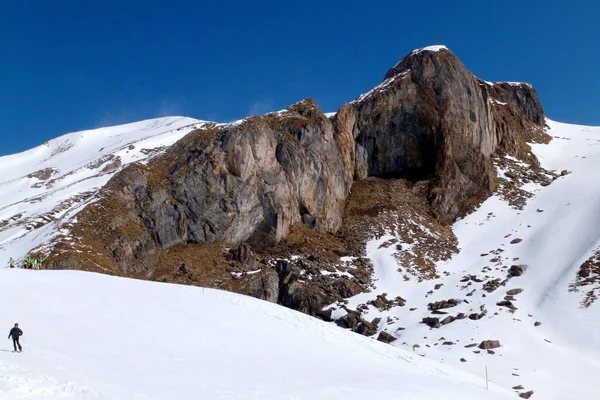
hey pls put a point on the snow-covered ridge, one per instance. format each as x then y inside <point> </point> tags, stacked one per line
<point>42,188</point>
<point>434,48</point>
<point>509,83</point>
<point>383,85</point>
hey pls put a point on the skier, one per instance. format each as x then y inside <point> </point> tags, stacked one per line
<point>16,333</point>
<point>12,263</point>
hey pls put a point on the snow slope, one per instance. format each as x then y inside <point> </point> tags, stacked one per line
<point>560,229</point>
<point>89,336</point>
<point>41,189</point>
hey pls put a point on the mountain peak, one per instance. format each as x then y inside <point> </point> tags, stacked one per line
<point>419,57</point>
<point>434,48</point>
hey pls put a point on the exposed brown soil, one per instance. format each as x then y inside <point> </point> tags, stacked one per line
<point>588,278</point>
<point>377,207</point>
<point>514,174</point>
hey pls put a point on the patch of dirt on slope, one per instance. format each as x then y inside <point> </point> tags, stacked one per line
<point>377,207</point>
<point>588,278</point>
<point>43,174</point>
<point>514,174</point>
<point>194,264</point>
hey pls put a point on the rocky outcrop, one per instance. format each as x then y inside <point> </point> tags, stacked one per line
<point>265,179</point>
<point>431,119</point>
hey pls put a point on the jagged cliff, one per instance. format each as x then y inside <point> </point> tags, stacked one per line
<point>226,200</point>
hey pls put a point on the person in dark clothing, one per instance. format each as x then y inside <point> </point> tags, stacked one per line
<point>15,334</point>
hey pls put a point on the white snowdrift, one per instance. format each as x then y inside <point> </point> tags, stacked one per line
<point>101,337</point>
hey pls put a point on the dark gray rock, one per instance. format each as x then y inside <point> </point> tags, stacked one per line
<point>386,337</point>
<point>349,321</point>
<point>432,322</point>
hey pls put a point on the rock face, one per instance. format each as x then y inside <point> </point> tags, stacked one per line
<point>430,121</point>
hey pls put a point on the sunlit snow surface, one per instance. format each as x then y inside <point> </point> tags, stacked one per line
<point>89,336</point>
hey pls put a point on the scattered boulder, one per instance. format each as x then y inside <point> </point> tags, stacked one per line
<point>385,337</point>
<point>461,316</point>
<point>526,395</point>
<point>515,241</point>
<point>492,285</point>
<point>463,360</point>
<point>470,345</point>
<point>383,304</point>
<point>489,344</point>
<point>399,301</point>
<point>431,322</point>
<point>514,292</point>
<point>537,323</point>
<point>491,352</point>
<point>516,270</point>
<point>507,304</point>
<point>448,343</point>
<point>476,316</point>
<point>447,320</point>
<point>367,328</point>
<point>438,305</point>
<point>325,315</point>
<point>349,321</point>
<point>519,387</point>
<point>564,172</point>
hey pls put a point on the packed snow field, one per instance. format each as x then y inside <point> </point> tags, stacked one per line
<point>89,336</point>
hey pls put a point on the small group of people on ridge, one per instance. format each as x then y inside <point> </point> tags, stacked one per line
<point>15,334</point>
<point>28,263</point>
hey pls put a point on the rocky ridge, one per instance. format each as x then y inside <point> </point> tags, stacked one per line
<point>280,206</point>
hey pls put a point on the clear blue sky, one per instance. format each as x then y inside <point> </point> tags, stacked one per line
<point>68,65</point>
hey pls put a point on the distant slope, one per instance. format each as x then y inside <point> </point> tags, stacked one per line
<point>43,188</point>
<point>100,337</point>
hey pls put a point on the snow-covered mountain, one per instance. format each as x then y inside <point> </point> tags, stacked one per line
<point>43,188</point>
<point>456,231</point>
